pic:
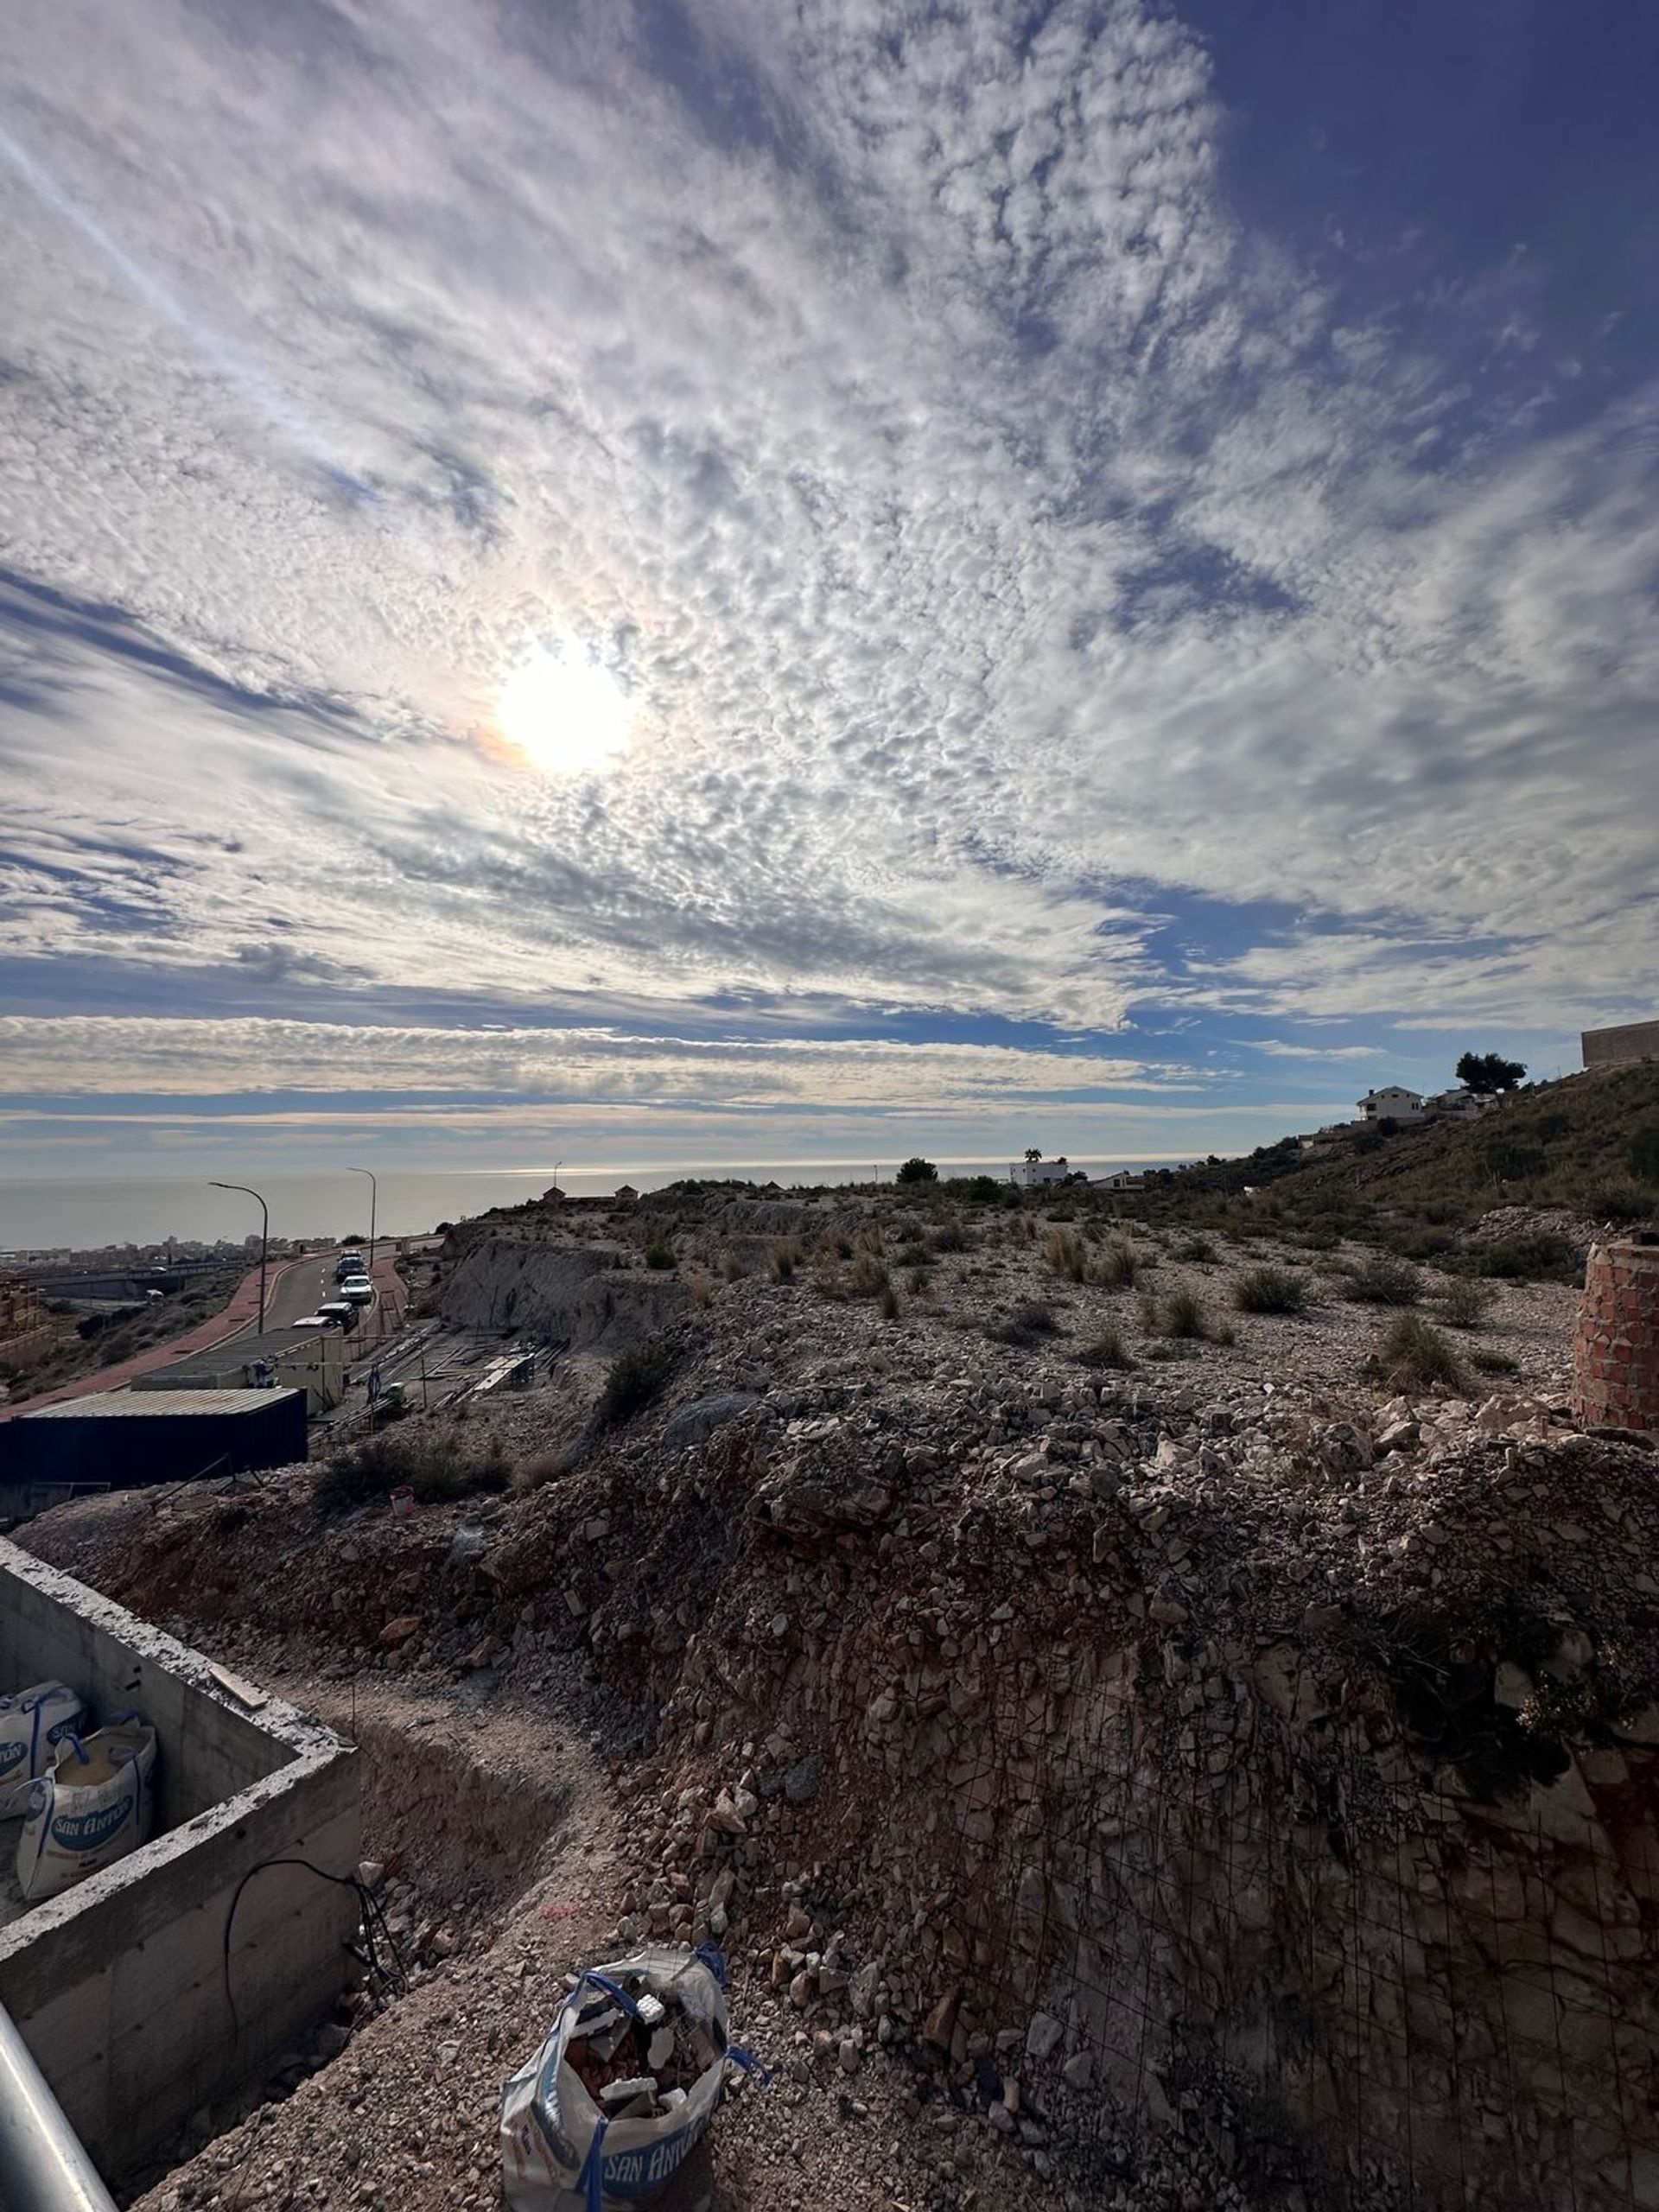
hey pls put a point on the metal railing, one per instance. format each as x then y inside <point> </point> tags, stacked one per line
<point>42,2166</point>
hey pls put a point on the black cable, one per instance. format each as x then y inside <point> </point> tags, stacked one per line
<point>368,1905</point>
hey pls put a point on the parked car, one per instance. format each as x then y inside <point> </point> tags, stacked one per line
<point>337,1310</point>
<point>358,1290</point>
<point>349,1263</point>
<point>316,1321</point>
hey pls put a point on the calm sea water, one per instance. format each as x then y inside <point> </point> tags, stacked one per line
<point>87,1212</point>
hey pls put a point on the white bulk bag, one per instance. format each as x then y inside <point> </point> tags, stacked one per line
<point>91,1809</point>
<point>559,2152</point>
<point>31,1725</point>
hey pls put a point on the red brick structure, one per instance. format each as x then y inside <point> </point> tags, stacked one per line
<point>1616,1346</point>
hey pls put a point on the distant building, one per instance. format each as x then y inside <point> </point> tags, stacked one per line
<point>1460,1100</point>
<point>1124,1178</point>
<point>312,1360</point>
<point>1391,1104</point>
<point>628,1196</point>
<point>1612,1048</point>
<point>1029,1173</point>
<point>553,1195</point>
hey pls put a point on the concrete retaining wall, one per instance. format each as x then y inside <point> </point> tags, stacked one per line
<point>123,1987</point>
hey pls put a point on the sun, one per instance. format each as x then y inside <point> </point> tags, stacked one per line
<point>564,713</point>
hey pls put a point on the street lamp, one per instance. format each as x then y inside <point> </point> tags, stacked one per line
<point>374,1194</point>
<point>264,1236</point>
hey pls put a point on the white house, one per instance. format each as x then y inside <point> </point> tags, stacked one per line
<point>1391,1104</point>
<point>1029,1173</point>
<point>1125,1179</point>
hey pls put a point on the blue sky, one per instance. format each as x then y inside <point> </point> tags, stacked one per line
<point>1086,573</point>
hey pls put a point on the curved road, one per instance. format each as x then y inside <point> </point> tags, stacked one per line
<point>293,1289</point>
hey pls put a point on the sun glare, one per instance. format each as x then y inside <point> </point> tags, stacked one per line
<point>565,714</point>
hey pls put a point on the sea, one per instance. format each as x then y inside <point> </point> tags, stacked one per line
<point>87,1213</point>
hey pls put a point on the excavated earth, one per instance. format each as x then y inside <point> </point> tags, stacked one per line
<point>1143,1786</point>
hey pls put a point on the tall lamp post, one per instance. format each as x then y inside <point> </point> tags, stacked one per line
<point>264,1236</point>
<point>374,1195</point>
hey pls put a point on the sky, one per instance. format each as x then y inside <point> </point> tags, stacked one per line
<point>717,580</point>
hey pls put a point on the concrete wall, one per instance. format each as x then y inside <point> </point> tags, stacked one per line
<point>122,1988</point>
<point>1606,1048</point>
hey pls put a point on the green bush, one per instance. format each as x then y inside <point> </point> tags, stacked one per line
<point>1196,1251</point>
<point>1494,1362</point>
<point>1026,1325</point>
<point>1620,1203</point>
<point>660,1255</point>
<point>917,1171</point>
<point>1381,1280</point>
<point>1529,1259</point>
<point>435,1466</point>
<point>1178,1314</point>
<point>1107,1350</point>
<point>1462,1306</point>
<point>636,1380</point>
<point>1271,1290</point>
<point>1414,1352</point>
<point>950,1237</point>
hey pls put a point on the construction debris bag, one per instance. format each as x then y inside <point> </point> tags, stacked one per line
<point>560,2151</point>
<point>31,1725</point>
<point>92,1809</point>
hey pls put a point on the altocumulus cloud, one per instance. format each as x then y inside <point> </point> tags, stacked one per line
<point>995,535</point>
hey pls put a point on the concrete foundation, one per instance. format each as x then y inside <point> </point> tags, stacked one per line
<point>139,1995</point>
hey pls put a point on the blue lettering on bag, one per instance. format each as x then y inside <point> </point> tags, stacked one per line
<point>87,1831</point>
<point>12,1755</point>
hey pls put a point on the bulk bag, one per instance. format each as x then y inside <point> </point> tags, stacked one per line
<point>31,1725</point>
<point>93,1808</point>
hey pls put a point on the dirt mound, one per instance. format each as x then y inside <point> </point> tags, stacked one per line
<point>586,1297</point>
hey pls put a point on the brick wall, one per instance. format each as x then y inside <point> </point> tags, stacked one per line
<point>1616,1345</point>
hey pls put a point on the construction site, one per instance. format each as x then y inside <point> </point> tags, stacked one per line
<point>1132,1749</point>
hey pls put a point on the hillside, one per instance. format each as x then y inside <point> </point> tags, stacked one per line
<point>1571,1147</point>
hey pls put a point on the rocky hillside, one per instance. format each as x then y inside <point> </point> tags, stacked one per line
<point>1152,1753</point>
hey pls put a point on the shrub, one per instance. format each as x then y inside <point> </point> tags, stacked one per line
<point>1107,1350</point>
<point>1412,1352</point>
<point>660,1255</point>
<point>1379,1280</point>
<point>1271,1290</point>
<point>1027,1325</point>
<point>917,1171</point>
<point>785,1257</point>
<point>1619,1203</point>
<point>889,1303</point>
<point>1529,1259</point>
<point>1462,1306</point>
<point>1118,1268</point>
<point>733,1268</point>
<point>1494,1362</point>
<point>1196,1251</point>
<point>917,1281</point>
<point>869,1276</point>
<point>636,1380</point>
<point>1176,1314</point>
<point>1064,1253</point>
<point>437,1467</point>
<point>950,1237</point>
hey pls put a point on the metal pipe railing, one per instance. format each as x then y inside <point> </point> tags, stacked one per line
<point>42,2166</point>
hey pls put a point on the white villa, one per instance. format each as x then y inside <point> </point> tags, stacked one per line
<point>1029,1173</point>
<point>1393,1103</point>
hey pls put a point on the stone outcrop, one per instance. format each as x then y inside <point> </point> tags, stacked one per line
<point>586,1297</point>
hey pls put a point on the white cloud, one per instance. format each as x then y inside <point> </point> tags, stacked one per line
<point>987,529</point>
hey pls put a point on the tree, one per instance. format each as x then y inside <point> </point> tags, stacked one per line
<point>1485,1073</point>
<point>917,1171</point>
<point>1031,1155</point>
